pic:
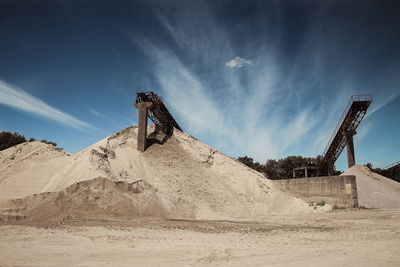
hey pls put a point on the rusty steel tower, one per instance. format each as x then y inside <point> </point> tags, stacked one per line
<point>343,134</point>
<point>151,105</point>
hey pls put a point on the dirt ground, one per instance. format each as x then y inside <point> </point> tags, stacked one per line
<point>340,238</point>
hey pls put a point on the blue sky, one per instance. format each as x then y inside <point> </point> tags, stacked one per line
<point>265,79</point>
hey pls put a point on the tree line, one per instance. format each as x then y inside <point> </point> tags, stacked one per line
<point>8,139</point>
<point>282,168</point>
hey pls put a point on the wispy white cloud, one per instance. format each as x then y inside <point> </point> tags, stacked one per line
<point>267,111</point>
<point>298,127</point>
<point>362,131</point>
<point>112,118</point>
<point>381,102</point>
<point>238,62</point>
<point>15,97</point>
<point>238,122</point>
<point>95,112</point>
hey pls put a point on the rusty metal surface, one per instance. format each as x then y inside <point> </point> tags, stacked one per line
<point>393,166</point>
<point>347,125</point>
<point>158,113</point>
<point>142,123</point>
<point>393,171</point>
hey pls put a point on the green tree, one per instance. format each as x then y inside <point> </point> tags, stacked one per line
<point>282,168</point>
<point>48,142</point>
<point>8,139</point>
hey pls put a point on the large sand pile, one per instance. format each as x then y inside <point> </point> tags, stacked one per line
<point>182,178</point>
<point>374,190</point>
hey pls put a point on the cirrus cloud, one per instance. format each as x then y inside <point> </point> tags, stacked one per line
<point>15,97</point>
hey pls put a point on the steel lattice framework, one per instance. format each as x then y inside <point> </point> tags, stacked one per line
<point>158,113</point>
<point>346,127</point>
<point>393,166</point>
<point>393,171</point>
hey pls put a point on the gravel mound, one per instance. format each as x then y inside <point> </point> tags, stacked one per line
<point>374,190</point>
<point>97,199</point>
<point>181,179</point>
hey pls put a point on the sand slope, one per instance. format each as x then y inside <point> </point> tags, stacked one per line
<point>183,178</point>
<point>96,199</point>
<point>374,190</point>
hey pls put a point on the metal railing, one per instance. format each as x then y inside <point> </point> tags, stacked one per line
<point>392,165</point>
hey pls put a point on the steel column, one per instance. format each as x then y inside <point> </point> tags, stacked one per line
<point>350,151</point>
<point>142,131</point>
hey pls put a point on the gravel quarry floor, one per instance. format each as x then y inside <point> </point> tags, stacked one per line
<point>178,204</point>
<point>339,238</point>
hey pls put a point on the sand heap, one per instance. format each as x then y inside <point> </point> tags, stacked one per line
<point>180,179</point>
<point>374,190</point>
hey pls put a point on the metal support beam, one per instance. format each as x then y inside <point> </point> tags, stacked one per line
<point>158,113</point>
<point>330,168</point>
<point>142,131</point>
<point>350,151</point>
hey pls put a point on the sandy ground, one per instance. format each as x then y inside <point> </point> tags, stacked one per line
<point>341,238</point>
<point>92,208</point>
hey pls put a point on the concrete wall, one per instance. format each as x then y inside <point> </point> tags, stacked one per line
<point>334,190</point>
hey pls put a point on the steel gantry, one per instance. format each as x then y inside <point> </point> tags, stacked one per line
<point>343,134</point>
<point>151,105</point>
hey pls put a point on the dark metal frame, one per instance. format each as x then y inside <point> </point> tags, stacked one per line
<point>393,171</point>
<point>158,113</point>
<point>393,166</point>
<point>347,125</point>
